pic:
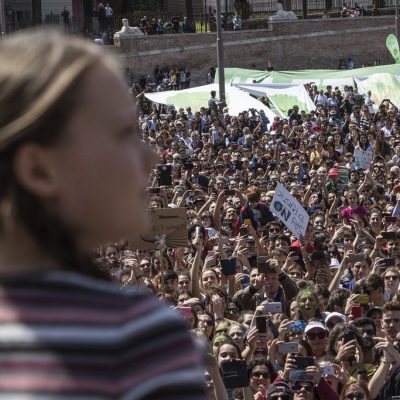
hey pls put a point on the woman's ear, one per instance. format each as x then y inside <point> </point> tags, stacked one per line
<point>34,171</point>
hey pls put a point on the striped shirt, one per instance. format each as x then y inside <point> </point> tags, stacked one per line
<point>64,336</point>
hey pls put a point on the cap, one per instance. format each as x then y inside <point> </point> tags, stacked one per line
<point>279,387</point>
<point>333,172</point>
<point>333,315</point>
<point>334,263</point>
<point>315,324</point>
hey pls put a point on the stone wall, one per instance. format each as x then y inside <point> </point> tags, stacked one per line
<point>300,44</point>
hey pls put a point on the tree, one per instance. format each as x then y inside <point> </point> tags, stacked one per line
<point>243,8</point>
<point>189,10</point>
<point>304,9</point>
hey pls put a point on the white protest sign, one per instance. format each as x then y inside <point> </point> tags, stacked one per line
<point>362,159</point>
<point>289,211</point>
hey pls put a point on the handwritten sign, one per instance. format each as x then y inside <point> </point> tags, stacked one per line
<point>362,159</point>
<point>289,211</point>
<point>171,222</point>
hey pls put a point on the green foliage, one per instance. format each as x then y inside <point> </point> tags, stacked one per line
<point>243,8</point>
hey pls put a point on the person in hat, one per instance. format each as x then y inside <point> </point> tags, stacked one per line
<point>279,391</point>
<point>333,180</point>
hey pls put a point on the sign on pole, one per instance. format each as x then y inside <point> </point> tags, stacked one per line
<point>362,159</point>
<point>289,211</point>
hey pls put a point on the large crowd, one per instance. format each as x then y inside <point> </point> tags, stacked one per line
<point>315,317</point>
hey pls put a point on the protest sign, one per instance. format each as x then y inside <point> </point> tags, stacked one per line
<point>171,222</point>
<point>362,159</point>
<point>289,211</point>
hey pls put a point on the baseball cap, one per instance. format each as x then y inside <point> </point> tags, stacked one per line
<point>315,324</point>
<point>333,172</point>
<point>334,263</point>
<point>333,315</point>
<point>279,387</point>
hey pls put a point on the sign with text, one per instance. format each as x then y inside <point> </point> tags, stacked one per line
<point>171,222</point>
<point>289,211</point>
<point>362,159</point>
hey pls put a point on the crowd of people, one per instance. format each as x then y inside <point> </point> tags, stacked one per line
<point>315,317</point>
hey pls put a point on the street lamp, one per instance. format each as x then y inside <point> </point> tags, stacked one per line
<point>220,54</point>
<point>396,19</point>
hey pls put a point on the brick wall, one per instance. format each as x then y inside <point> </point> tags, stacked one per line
<point>308,44</point>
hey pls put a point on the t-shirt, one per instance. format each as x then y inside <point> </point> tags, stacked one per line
<point>68,336</point>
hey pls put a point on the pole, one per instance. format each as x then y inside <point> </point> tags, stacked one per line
<point>220,55</point>
<point>2,19</point>
<point>205,16</point>
<point>396,19</point>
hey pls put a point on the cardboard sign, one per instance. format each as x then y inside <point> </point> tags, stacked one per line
<point>362,159</point>
<point>171,222</point>
<point>289,211</point>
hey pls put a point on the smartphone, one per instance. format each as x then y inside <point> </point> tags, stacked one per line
<point>357,257</point>
<point>186,312</point>
<point>289,347</point>
<point>304,362</point>
<point>228,266</point>
<point>153,190</point>
<point>191,193</point>
<point>247,222</point>
<point>229,192</point>
<point>388,262</point>
<point>273,308</point>
<point>234,374</point>
<point>348,337</point>
<point>389,235</point>
<point>239,165</point>
<point>261,324</point>
<point>298,326</point>
<point>164,175</point>
<point>356,311</point>
<point>363,299</point>
<point>243,231</point>
<point>273,329</point>
<point>262,264</point>
<point>227,224</point>
<point>328,370</point>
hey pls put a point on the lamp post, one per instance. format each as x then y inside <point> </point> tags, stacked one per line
<point>2,19</point>
<point>220,55</point>
<point>396,19</point>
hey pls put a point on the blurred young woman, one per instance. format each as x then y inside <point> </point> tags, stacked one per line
<point>73,174</point>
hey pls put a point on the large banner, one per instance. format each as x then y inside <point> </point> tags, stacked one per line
<point>283,97</point>
<point>382,86</point>
<point>289,211</point>
<point>237,100</point>
<point>320,77</point>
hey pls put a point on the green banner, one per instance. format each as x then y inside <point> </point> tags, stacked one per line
<point>393,46</point>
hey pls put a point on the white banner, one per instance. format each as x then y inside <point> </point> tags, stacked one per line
<point>289,211</point>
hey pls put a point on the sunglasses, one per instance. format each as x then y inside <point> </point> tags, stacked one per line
<point>231,310</point>
<point>355,395</point>
<point>277,230</point>
<point>368,331</point>
<point>306,386</point>
<point>264,375</point>
<point>391,278</point>
<point>281,397</point>
<point>319,335</point>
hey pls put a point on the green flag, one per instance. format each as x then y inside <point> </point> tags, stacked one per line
<point>393,46</point>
